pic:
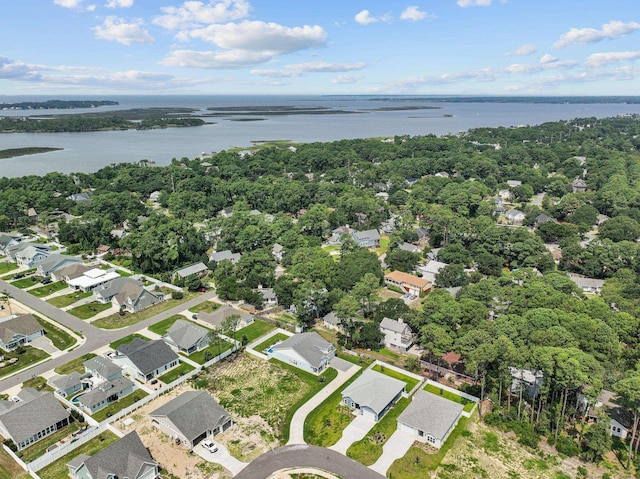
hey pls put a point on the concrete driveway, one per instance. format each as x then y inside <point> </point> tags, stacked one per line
<point>355,431</point>
<point>44,344</point>
<point>340,364</point>
<point>395,448</point>
<point>222,457</point>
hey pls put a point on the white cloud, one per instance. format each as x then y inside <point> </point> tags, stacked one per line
<point>546,58</point>
<point>365,18</point>
<point>474,3</point>
<point>14,70</point>
<point>580,36</point>
<point>413,14</point>
<point>68,3</point>
<point>524,50</point>
<point>299,69</point>
<point>220,59</point>
<point>116,29</point>
<point>346,79</point>
<point>599,59</point>
<point>119,4</point>
<point>194,13</point>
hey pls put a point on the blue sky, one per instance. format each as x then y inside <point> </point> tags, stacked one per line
<point>494,47</point>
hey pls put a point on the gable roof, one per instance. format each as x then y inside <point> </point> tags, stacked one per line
<point>123,459</point>
<point>512,213</point>
<point>73,270</point>
<point>103,391</point>
<point>394,325</point>
<point>185,333</point>
<point>400,277</point>
<point>24,324</point>
<point>223,312</point>
<point>67,381</point>
<point>193,412</point>
<point>368,235</point>
<point>195,268</point>
<point>226,254</point>
<point>431,414</point>
<point>311,346</point>
<point>147,356</point>
<point>374,390</point>
<point>411,248</point>
<point>102,366</point>
<point>331,318</point>
<point>55,261</point>
<point>34,413</point>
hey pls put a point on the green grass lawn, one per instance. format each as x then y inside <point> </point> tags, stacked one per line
<point>119,405</point>
<point>204,307</point>
<point>60,338</point>
<point>215,348</point>
<point>255,330</point>
<point>5,267</point>
<point>411,382</point>
<point>127,339</point>
<point>9,468</point>
<point>68,299</point>
<point>58,469</point>
<point>358,360</point>
<point>28,357</point>
<point>88,310</point>
<point>418,463</point>
<point>161,327</point>
<point>175,373</point>
<point>468,404</point>
<point>324,425</point>
<point>26,282</point>
<point>74,364</point>
<point>39,383</point>
<point>369,449</point>
<point>123,273</point>
<point>47,289</point>
<point>271,341</point>
<point>115,321</point>
<point>39,448</point>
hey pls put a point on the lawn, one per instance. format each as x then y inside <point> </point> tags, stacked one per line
<point>204,307</point>
<point>60,338</point>
<point>119,405</point>
<point>124,274</point>
<point>74,364</point>
<point>369,449</point>
<point>27,358</point>
<point>89,310</point>
<point>271,341</point>
<point>358,360</point>
<point>468,405</point>
<point>26,282</point>
<point>161,327</point>
<point>48,289</point>
<point>68,299</point>
<point>127,339</point>
<point>115,321</point>
<point>411,382</point>
<point>255,330</point>
<point>175,373</point>
<point>324,425</point>
<point>39,448</point>
<point>9,468</point>
<point>5,267</point>
<point>58,469</point>
<point>39,383</point>
<point>216,348</point>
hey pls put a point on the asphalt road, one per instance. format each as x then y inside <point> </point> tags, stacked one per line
<point>306,456</point>
<point>95,337</point>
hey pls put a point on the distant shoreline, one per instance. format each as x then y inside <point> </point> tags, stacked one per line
<point>34,150</point>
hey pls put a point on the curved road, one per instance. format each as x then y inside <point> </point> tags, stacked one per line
<point>306,456</point>
<point>94,337</point>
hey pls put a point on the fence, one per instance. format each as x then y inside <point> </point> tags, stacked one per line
<point>442,371</point>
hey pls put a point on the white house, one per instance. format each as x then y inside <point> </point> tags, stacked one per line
<point>515,217</point>
<point>307,351</point>
<point>145,360</point>
<point>397,334</point>
<point>373,394</point>
<point>19,330</point>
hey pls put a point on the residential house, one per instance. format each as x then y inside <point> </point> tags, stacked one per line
<point>187,337</point>
<point>68,385</point>
<point>514,216</point>
<point>388,226</point>
<point>191,417</point>
<point>146,360</point>
<point>30,254</point>
<point>220,315</point>
<point>105,393</point>
<point>69,272</point>
<point>408,283</point>
<point>226,212</point>
<point>7,240</point>
<point>307,351</point>
<point>127,458</point>
<point>55,262</point>
<point>226,254</point>
<point>19,330</point>
<point>269,297</point>
<point>126,294</point>
<point>430,418</point>
<point>621,421</point>
<point>373,394</point>
<point>101,369</point>
<point>528,381</point>
<point>338,233</point>
<point>411,248</point>
<point>79,197</point>
<point>332,322</point>
<point>579,185</point>
<point>277,251</point>
<point>383,194</point>
<point>431,269</point>
<point>514,183</point>
<point>587,285</point>
<point>89,280</point>
<point>155,195</point>
<point>542,218</point>
<point>442,174</point>
<point>397,334</point>
<point>35,416</point>
<point>600,218</point>
<point>198,269</point>
<point>367,239</point>
<point>423,234</point>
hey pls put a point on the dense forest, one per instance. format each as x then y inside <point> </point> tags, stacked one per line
<point>514,304</point>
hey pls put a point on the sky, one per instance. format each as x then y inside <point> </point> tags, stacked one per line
<point>284,47</point>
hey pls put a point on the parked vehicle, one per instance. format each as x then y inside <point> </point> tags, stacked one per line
<point>210,445</point>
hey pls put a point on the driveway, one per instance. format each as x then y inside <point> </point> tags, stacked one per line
<point>222,457</point>
<point>43,343</point>
<point>355,431</point>
<point>340,364</point>
<point>306,456</point>
<point>395,448</point>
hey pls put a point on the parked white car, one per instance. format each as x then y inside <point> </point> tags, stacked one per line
<point>209,445</point>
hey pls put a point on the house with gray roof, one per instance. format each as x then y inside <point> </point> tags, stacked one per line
<point>126,294</point>
<point>191,417</point>
<point>19,330</point>
<point>373,394</point>
<point>226,254</point>
<point>587,285</point>
<point>146,360</point>
<point>198,268</point>
<point>54,262</point>
<point>79,197</point>
<point>68,384</point>
<point>7,240</point>
<point>397,334</point>
<point>367,239</point>
<point>269,297</point>
<point>70,271</point>
<point>514,216</point>
<point>104,394</point>
<point>102,369</point>
<point>127,458</point>
<point>332,322</point>
<point>430,418</point>
<point>579,185</point>
<point>36,416</point>
<point>187,337</point>
<point>217,318</point>
<point>411,248</point>
<point>30,254</point>
<point>307,351</point>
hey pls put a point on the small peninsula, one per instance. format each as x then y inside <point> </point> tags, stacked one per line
<point>32,150</point>
<point>56,104</point>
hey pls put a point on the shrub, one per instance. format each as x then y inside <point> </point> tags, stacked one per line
<point>567,446</point>
<point>177,295</point>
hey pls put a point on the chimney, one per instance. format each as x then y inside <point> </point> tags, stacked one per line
<point>401,321</point>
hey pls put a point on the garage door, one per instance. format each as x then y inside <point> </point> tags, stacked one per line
<point>368,413</point>
<point>404,427</point>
